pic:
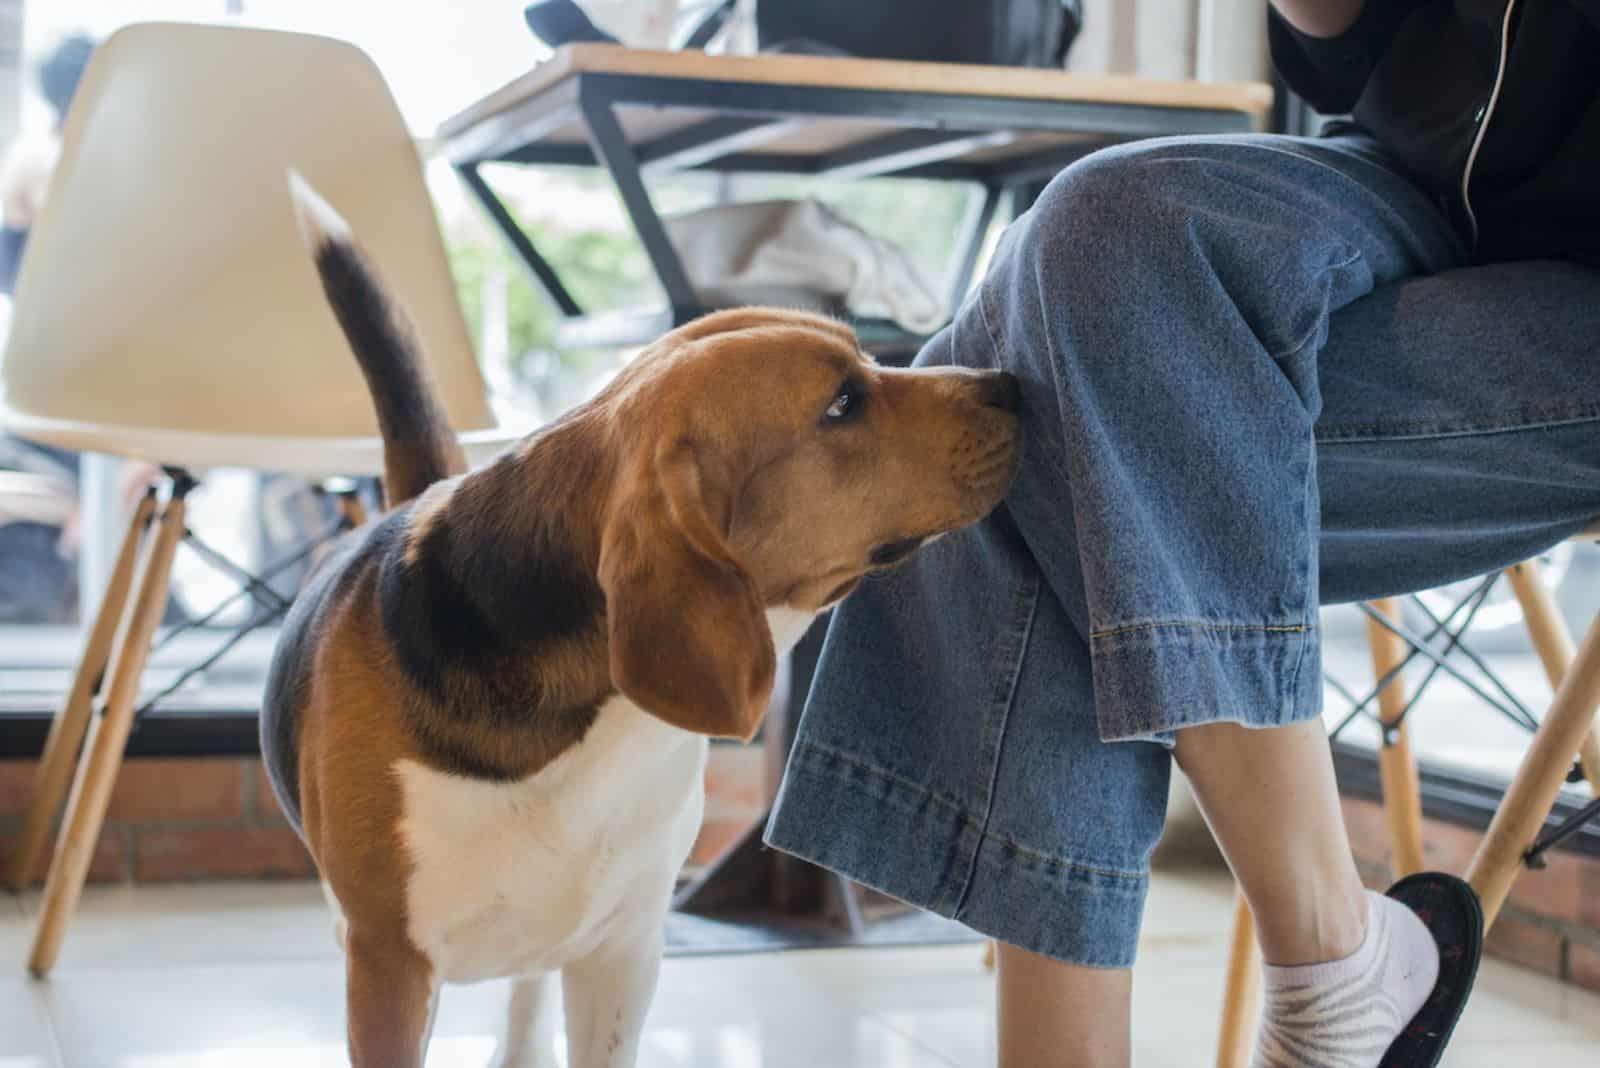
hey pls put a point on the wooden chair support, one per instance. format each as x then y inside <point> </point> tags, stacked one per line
<point>1241,990</point>
<point>67,729</point>
<point>1566,727</point>
<point>1567,731</point>
<point>1397,768</point>
<point>1553,643</point>
<point>107,736</point>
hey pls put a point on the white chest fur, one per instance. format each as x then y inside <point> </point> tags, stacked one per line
<point>513,878</point>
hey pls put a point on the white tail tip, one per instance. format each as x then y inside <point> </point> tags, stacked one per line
<point>319,222</point>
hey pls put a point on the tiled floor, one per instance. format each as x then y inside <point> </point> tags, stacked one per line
<point>246,976</point>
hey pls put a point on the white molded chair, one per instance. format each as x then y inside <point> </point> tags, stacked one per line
<point>167,311</point>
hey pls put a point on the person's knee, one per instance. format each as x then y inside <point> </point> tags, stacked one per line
<point>1090,214</point>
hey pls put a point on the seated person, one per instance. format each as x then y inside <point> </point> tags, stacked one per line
<point>1211,452</point>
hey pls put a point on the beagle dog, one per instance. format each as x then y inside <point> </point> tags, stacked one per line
<point>488,711</point>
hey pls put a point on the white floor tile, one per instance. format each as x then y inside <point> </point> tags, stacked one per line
<point>709,1014</point>
<point>26,1038</point>
<point>1511,1004</point>
<point>244,975</point>
<point>197,923</point>
<point>1507,1054</point>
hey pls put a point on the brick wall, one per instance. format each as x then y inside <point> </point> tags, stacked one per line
<point>216,818</point>
<point>1551,922</point>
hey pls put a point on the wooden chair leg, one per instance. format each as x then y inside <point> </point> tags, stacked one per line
<point>1241,989</point>
<point>61,746</point>
<point>1527,804</point>
<point>1553,643</point>
<point>102,755</point>
<point>1397,768</point>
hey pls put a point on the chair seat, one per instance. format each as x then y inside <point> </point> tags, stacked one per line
<point>311,457</point>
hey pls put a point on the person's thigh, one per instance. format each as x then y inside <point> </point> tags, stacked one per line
<point>1460,429</point>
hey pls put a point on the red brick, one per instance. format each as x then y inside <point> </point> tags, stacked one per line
<point>166,854</point>
<point>1524,943</point>
<point>1448,847</point>
<point>1368,830</point>
<point>110,863</point>
<point>193,788</point>
<point>735,780</point>
<point>1553,891</point>
<point>1556,891</point>
<point>266,801</point>
<point>16,786</point>
<point>715,837</point>
<point>1583,965</point>
<point>1589,897</point>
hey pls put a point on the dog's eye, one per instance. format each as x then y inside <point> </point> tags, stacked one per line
<point>846,405</point>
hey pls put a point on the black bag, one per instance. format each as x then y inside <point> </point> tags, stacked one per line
<point>1007,33</point>
<point>1010,33</point>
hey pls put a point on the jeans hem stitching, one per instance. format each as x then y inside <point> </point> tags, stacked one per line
<point>961,813</point>
<point>1200,624</point>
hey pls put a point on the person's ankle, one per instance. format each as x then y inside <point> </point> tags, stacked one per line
<point>1319,932</point>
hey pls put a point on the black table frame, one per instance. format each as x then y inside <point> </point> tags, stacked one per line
<point>933,130</point>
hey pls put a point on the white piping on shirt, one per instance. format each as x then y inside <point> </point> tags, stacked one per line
<point>1488,113</point>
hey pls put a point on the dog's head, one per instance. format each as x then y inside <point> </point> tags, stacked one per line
<point>763,462</point>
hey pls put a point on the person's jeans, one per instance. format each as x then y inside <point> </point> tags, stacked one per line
<point>1256,376</point>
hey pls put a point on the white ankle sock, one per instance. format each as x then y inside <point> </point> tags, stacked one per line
<point>1345,1013</point>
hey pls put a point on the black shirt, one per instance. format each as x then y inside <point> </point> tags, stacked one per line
<point>1510,149</point>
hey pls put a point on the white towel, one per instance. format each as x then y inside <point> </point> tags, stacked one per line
<point>801,253</point>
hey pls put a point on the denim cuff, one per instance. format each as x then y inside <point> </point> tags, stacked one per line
<point>1150,679</point>
<point>838,811</point>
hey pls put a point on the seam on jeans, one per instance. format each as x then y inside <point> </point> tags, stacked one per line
<point>1201,624</point>
<point>1062,862</point>
<point>995,348</point>
<point>896,778</point>
<point>961,813</point>
<point>1322,317</point>
<point>1309,559</point>
<point>1368,433</point>
<point>1017,655</point>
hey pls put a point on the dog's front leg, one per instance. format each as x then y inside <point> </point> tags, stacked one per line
<point>389,995</point>
<point>608,994</point>
<point>530,1035</point>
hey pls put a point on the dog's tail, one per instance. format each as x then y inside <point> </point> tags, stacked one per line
<point>419,448</point>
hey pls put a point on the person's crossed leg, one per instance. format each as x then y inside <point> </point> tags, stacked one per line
<point>991,728</point>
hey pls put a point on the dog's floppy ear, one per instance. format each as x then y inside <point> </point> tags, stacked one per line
<point>689,637</point>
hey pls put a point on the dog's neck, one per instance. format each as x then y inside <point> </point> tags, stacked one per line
<point>493,608</point>
<point>522,535</point>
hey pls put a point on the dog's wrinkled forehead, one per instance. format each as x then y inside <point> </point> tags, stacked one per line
<point>735,367</point>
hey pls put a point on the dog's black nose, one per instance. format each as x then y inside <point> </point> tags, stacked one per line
<point>1001,389</point>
